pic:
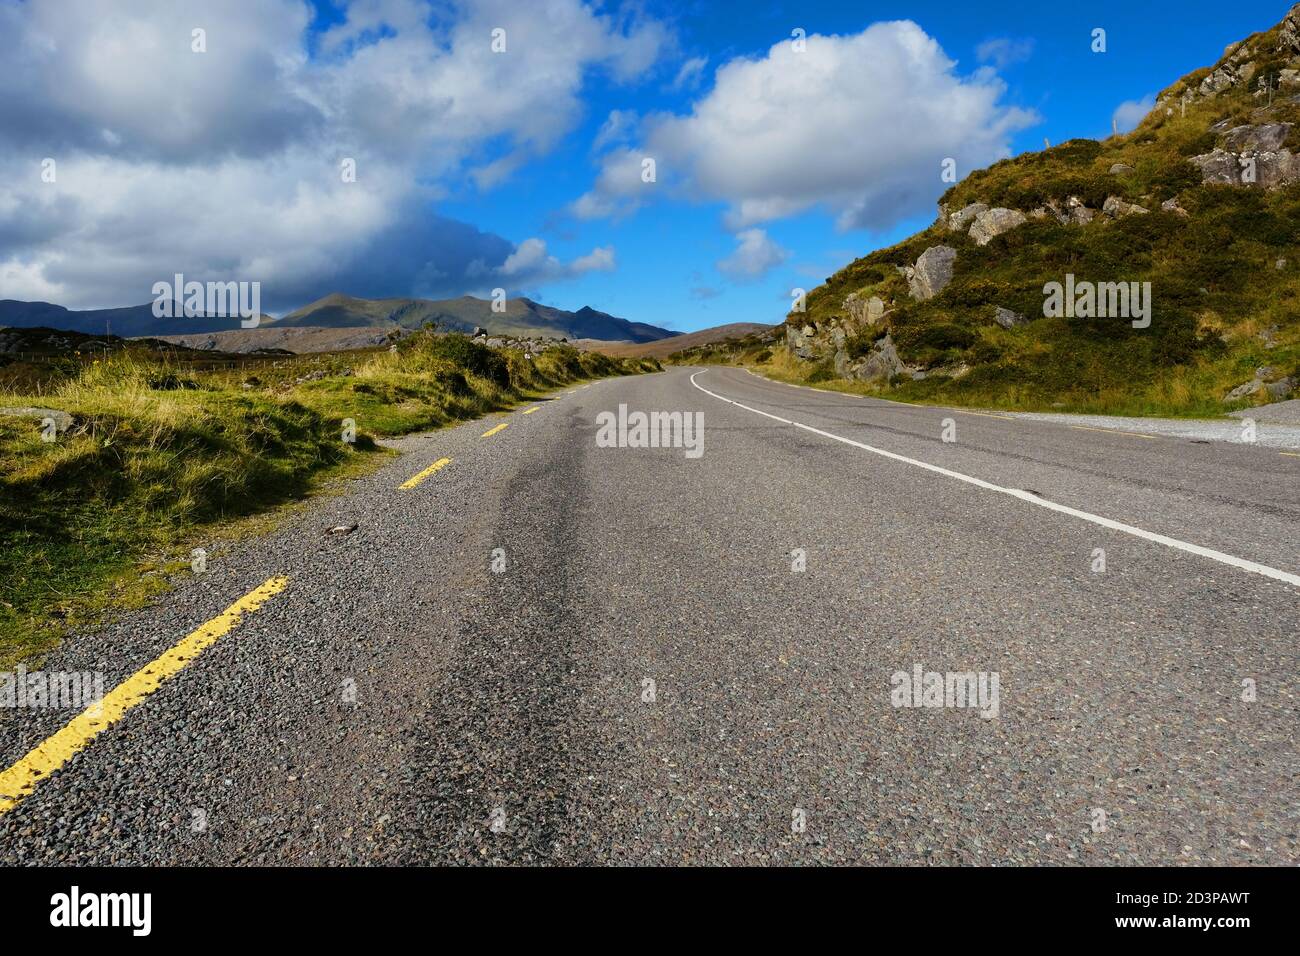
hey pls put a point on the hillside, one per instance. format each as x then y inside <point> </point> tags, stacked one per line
<point>296,339</point>
<point>662,348</point>
<point>1201,201</point>
<point>521,318</point>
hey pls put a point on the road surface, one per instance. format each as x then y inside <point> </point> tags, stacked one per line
<point>397,699</point>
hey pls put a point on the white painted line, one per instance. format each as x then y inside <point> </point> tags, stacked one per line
<point>1241,563</point>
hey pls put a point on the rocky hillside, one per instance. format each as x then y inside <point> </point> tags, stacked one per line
<point>1028,290</point>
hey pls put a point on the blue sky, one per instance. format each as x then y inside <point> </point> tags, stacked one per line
<point>478,172</point>
<point>666,252</point>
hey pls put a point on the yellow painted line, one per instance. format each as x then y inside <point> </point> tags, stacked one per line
<point>1289,454</point>
<point>1111,431</point>
<point>533,409</point>
<point>492,431</point>
<point>19,780</point>
<point>433,469</point>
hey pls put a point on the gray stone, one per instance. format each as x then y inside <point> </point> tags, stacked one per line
<point>994,222</point>
<point>62,420</point>
<point>933,272</point>
<point>1219,166</point>
<point>1288,40</point>
<point>1008,319</point>
<point>799,341</point>
<point>1276,390</point>
<point>960,221</point>
<point>1171,205</point>
<point>881,365</point>
<point>1117,208</point>
<point>1280,389</point>
<point>1271,169</point>
<point>1121,169</point>
<point>1265,138</point>
<point>864,311</point>
<point>1275,170</point>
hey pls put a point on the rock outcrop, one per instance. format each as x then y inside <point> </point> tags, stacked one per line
<point>867,311</point>
<point>1265,170</point>
<point>1117,208</point>
<point>880,365</point>
<point>932,272</point>
<point>1275,390</point>
<point>992,223</point>
<point>961,220</point>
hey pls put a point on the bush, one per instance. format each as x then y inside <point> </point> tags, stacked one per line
<point>462,351</point>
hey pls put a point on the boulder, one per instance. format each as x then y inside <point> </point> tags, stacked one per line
<point>842,364</point>
<point>1219,166</point>
<point>1171,205</point>
<point>799,341</point>
<point>881,364</point>
<point>1267,137</point>
<point>1117,208</point>
<point>1078,213</point>
<point>1272,169</point>
<point>1275,170</point>
<point>1277,390</point>
<point>862,311</point>
<point>1227,76</point>
<point>960,221</point>
<point>933,271</point>
<point>62,420</point>
<point>1280,389</point>
<point>1008,319</point>
<point>1121,169</point>
<point>992,223</point>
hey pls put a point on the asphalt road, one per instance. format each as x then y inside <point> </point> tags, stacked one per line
<point>401,702</point>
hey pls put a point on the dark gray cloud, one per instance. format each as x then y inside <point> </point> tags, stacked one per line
<point>225,164</point>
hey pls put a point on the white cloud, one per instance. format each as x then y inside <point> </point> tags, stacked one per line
<point>1003,52</point>
<point>1132,112</point>
<point>689,76</point>
<point>225,164</point>
<point>756,255</point>
<point>531,263</point>
<point>618,126</point>
<point>856,124</point>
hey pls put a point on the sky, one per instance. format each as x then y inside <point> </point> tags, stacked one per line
<point>684,164</point>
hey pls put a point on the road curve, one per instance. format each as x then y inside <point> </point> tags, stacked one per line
<point>694,660</point>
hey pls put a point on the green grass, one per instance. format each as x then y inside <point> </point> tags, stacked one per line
<point>161,453</point>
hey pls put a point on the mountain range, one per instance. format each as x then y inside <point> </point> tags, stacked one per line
<point>521,317</point>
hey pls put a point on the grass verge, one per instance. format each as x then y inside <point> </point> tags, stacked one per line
<point>157,454</point>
